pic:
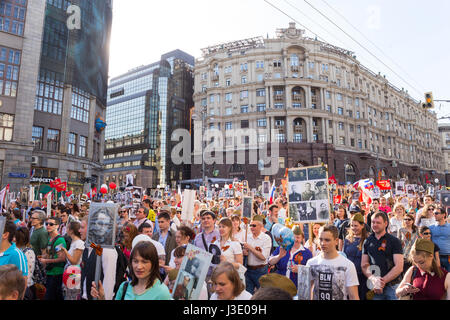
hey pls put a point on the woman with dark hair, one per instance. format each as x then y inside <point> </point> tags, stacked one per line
<point>353,244</point>
<point>183,236</point>
<point>408,234</point>
<point>75,211</point>
<point>341,216</point>
<point>22,237</point>
<point>145,281</point>
<point>227,284</point>
<point>129,233</point>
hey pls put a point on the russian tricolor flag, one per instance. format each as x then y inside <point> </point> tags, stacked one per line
<point>272,192</point>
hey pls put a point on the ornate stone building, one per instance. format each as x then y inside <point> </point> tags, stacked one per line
<point>326,106</point>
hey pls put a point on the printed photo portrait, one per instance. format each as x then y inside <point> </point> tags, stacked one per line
<point>294,191</point>
<point>323,210</point>
<point>320,190</point>
<point>307,191</point>
<point>293,212</point>
<point>101,224</point>
<point>247,206</point>
<point>266,187</point>
<point>317,173</point>
<point>297,175</point>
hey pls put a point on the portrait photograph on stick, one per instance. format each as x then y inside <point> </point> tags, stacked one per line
<point>102,224</point>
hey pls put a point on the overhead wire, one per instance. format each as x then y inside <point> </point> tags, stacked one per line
<point>362,46</point>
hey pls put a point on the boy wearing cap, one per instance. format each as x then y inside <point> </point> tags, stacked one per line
<point>257,248</point>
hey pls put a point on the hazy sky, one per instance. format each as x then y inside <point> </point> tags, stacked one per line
<point>413,35</point>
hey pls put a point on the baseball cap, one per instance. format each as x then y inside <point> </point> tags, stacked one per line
<point>140,238</point>
<point>208,212</point>
<point>354,208</point>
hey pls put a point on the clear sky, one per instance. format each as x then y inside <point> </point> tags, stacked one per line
<point>413,35</point>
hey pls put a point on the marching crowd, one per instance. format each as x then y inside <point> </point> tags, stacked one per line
<point>381,251</point>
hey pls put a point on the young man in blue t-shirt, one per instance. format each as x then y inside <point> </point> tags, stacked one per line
<point>440,235</point>
<point>9,254</point>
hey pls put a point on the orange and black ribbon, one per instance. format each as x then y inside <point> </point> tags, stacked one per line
<point>98,249</point>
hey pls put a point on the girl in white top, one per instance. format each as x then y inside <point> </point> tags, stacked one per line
<point>75,252</point>
<point>183,236</point>
<point>426,217</point>
<point>231,250</point>
<point>396,222</point>
<point>227,284</point>
<point>238,231</point>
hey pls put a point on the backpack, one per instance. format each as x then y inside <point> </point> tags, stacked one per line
<point>121,268</point>
<point>52,253</point>
<point>39,276</point>
<point>68,241</point>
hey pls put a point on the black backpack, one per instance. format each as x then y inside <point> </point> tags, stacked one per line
<point>121,269</point>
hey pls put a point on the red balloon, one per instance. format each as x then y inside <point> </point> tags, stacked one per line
<point>112,185</point>
<point>231,186</point>
<point>104,190</point>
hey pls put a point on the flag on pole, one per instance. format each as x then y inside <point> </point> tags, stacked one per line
<point>272,192</point>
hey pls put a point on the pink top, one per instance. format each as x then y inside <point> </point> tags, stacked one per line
<point>431,286</point>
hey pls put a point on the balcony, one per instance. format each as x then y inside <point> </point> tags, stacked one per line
<point>295,68</point>
<point>297,97</point>
<point>278,97</point>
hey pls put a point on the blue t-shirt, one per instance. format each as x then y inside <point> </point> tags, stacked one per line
<point>353,253</point>
<point>158,291</point>
<point>301,256</point>
<point>16,257</point>
<point>441,236</point>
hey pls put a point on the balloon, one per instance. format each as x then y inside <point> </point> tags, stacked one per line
<point>283,236</point>
<point>112,185</point>
<point>230,186</point>
<point>103,190</point>
<point>72,277</point>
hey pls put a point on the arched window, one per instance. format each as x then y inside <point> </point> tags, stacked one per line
<point>350,173</point>
<point>294,60</point>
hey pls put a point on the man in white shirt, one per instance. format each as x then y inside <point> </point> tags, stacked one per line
<point>257,248</point>
<point>333,276</point>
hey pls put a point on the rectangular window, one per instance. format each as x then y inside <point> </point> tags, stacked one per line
<point>244,80</point>
<point>71,147</point>
<point>37,136</point>
<point>259,64</point>
<point>244,109</point>
<point>261,107</point>
<point>244,124</point>
<point>228,82</point>
<point>244,94</point>
<point>261,123</point>
<point>342,141</point>
<point>228,111</point>
<point>228,125</point>
<point>228,97</point>
<point>260,92</point>
<point>53,140</point>
<point>339,97</point>
<point>81,105</point>
<point>83,147</point>
<point>49,92</point>
<point>6,127</point>
<point>298,137</point>
<point>340,111</point>
<point>9,71</point>
<point>279,105</point>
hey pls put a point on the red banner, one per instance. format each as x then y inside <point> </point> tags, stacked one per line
<point>337,199</point>
<point>384,184</point>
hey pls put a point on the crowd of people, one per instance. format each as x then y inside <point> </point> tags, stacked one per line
<point>383,251</point>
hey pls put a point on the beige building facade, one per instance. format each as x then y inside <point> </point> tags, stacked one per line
<point>327,108</point>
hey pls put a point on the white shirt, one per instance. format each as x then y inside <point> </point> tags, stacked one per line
<point>232,248</point>
<point>332,277</point>
<point>244,295</point>
<point>263,242</point>
<point>78,244</point>
<point>240,236</point>
<point>109,264</point>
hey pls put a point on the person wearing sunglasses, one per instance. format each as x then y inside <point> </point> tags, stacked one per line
<point>440,235</point>
<point>408,234</point>
<point>426,216</point>
<point>54,260</point>
<point>425,233</point>
<point>257,248</point>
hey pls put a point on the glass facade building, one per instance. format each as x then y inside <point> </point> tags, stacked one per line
<point>144,106</point>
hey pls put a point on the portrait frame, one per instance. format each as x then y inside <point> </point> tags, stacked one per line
<point>195,265</point>
<point>104,233</point>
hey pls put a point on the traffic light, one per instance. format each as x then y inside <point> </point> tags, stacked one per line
<point>429,102</point>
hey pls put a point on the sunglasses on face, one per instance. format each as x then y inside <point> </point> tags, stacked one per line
<point>407,219</point>
<point>426,233</point>
<point>50,224</point>
<point>253,226</point>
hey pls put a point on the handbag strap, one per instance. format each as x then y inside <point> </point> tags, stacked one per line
<point>204,242</point>
<point>124,292</point>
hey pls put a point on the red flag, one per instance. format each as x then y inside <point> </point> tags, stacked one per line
<point>337,199</point>
<point>332,180</point>
<point>68,194</point>
<point>61,187</point>
<point>384,184</point>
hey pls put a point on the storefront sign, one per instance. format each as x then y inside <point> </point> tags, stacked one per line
<point>41,180</point>
<point>17,175</point>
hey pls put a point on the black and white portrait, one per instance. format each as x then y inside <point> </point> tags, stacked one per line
<point>317,173</point>
<point>301,208</point>
<point>323,211</point>
<point>293,212</point>
<point>266,187</point>
<point>297,175</point>
<point>308,193</point>
<point>102,219</point>
<point>445,199</point>
<point>247,206</point>
<point>320,191</point>
<point>304,283</point>
<point>294,192</point>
